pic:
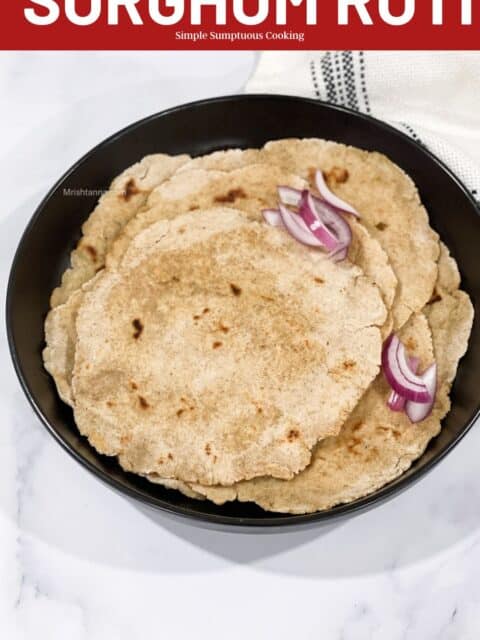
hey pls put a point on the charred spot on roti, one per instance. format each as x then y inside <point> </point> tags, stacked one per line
<point>293,435</point>
<point>372,454</point>
<point>133,385</point>
<point>208,449</point>
<point>217,344</point>
<point>231,196</point>
<point>222,327</point>
<point>180,412</point>
<point>143,403</point>
<point>170,457</point>
<point>411,343</point>
<point>235,289</point>
<point>92,252</point>
<point>336,175</point>
<point>319,280</point>
<point>343,368</point>
<point>206,310</point>
<point>381,226</point>
<point>193,207</point>
<point>390,430</point>
<point>130,190</point>
<point>138,326</point>
<point>353,444</point>
<point>311,171</point>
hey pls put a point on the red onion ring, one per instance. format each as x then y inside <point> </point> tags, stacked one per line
<point>399,375</point>
<point>418,411</point>
<point>311,215</point>
<point>297,228</point>
<point>319,217</point>
<point>396,402</point>
<point>334,221</point>
<point>331,198</point>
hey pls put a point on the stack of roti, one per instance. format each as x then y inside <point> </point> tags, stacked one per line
<point>214,354</point>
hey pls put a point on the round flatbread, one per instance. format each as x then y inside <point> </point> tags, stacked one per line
<point>191,359</point>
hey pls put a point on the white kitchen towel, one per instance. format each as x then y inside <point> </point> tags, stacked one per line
<point>432,96</point>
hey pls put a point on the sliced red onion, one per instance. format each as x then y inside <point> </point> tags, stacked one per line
<point>396,402</point>
<point>334,221</point>
<point>398,373</point>
<point>331,198</point>
<point>289,195</point>
<point>327,228</point>
<point>418,411</point>
<point>272,217</point>
<point>297,228</point>
<point>310,213</point>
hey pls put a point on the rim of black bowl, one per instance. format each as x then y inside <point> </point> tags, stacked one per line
<point>267,522</point>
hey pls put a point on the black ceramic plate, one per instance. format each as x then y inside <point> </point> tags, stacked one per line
<point>198,128</point>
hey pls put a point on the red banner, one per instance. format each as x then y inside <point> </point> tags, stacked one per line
<point>240,24</point>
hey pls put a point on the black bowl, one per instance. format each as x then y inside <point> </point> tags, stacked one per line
<point>198,128</point>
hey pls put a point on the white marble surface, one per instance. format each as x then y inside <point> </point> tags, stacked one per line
<point>79,562</point>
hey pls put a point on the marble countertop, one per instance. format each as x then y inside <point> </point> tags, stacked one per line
<point>80,562</point>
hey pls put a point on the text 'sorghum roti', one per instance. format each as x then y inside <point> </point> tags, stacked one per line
<point>225,354</point>
<point>375,445</point>
<point>389,205</point>
<point>126,195</point>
